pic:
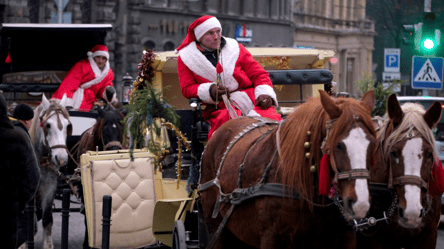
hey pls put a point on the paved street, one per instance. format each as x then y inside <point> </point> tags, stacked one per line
<point>76,229</point>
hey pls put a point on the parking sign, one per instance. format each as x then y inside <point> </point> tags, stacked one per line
<point>391,59</point>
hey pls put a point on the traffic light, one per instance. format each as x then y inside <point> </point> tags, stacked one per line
<point>430,38</point>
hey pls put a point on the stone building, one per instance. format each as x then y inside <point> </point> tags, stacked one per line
<point>342,26</point>
<point>338,25</point>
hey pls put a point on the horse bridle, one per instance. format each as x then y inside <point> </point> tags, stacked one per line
<point>49,113</point>
<point>352,174</point>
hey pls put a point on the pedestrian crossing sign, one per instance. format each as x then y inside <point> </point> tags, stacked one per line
<point>427,72</point>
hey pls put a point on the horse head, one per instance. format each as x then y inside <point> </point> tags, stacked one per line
<point>408,149</point>
<point>338,139</point>
<point>350,144</point>
<point>110,128</point>
<point>50,128</point>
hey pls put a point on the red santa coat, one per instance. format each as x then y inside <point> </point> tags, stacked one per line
<point>242,75</point>
<point>84,83</point>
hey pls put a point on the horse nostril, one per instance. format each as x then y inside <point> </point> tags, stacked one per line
<point>401,212</point>
<point>350,203</point>
<point>421,214</point>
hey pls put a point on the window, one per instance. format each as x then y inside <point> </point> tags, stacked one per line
<point>149,45</point>
<point>168,46</point>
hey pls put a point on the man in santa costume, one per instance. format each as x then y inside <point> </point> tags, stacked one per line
<point>89,79</point>
<point>211,66</point>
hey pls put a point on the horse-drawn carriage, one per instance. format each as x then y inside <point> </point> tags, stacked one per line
<point>270,184</point>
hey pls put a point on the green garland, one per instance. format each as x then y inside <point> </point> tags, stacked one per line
<point>147,104</point>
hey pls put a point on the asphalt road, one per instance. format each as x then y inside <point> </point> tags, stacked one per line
<point>77,229</point>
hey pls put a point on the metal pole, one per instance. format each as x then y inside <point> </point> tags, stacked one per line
<point>65,217</point>
<point>106,220</point>
<point>31,223</point>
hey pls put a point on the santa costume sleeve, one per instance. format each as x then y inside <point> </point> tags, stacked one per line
<point>70,84</point>
<point>260,78</point>
<point>190,86</point>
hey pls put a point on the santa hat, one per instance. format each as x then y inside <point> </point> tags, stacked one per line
<point>98,50</point>
<point>198,28</point>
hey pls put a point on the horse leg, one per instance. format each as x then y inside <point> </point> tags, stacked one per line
<point>47,192</point>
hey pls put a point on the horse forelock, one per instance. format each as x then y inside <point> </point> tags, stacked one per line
<point>412,121</point>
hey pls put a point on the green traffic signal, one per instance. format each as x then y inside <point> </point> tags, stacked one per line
<point>428,44</point>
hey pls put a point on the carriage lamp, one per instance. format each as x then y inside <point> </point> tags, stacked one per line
<point>127,88</point>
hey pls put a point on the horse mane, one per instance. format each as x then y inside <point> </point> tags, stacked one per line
<point>35,122</point>
<point>413,120</point>
<point>311,116</point>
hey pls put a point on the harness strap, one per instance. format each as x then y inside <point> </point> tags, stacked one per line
<point>354,174</point>
<point>410,179</point>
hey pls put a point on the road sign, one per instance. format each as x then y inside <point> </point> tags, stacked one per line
<point>390,76</point>
<point>427,72</point>
<point>391,59</point>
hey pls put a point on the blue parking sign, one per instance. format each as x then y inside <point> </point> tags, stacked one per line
<point>392,59</point>
<point>427,72</point>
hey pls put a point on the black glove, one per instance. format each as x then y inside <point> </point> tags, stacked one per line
<point>264,101</point>
<point>218,91</point>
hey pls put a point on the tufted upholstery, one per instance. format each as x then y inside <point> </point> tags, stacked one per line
<point>131,186</point>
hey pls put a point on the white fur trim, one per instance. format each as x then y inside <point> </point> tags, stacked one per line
<point>198,63</point>
<point>253,113</point>
<point>210,23</point>
<point>267,90</point>
<point>97,53</point>
<point>77,98</point>
<point>69,102</point>
<point>243,101</point>
<point>100,75</point>
<point>204,93</point>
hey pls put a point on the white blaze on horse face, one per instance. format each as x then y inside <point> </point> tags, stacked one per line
<point>357,146</point>
<point>412,154</point>
<point>56,136</point>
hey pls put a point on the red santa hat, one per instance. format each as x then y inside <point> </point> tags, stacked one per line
<point>99,50</point>
<point>198,28</point>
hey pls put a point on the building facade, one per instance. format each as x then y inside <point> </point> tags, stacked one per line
<point>342,26</point>
<point>338,25</point>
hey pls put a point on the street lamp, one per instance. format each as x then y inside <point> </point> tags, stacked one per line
<point>127,88</point>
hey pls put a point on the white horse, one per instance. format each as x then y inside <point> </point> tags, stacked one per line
<point>49,130</point>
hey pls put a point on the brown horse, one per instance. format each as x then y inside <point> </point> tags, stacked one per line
<point>403,162</point>
<point>106,134</point>
<point>278,165</point>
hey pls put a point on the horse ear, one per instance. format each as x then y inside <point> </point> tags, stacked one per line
<point>394,110</point>
<point>64,100</point>
<point>329,105</point>
<point>433,114</point>
<point>369,100</point>
<point>45,102</point>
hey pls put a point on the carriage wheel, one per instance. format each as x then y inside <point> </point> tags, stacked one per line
<point>179,240</point>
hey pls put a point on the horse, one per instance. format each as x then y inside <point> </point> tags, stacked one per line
<point>278,164</point>
<point>49,130</point>
<point>404,161</point>
<point>106,134</point>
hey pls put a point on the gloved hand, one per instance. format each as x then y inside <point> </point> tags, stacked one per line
<point>264,101</point>
<point>110,93</point>
<point>218,91</point>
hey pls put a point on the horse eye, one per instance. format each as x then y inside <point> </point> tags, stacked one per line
<point>394,154</point>
<point>48,126</point>
<point>340,146</point>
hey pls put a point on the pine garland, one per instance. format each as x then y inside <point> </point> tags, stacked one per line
<point>146,105</point>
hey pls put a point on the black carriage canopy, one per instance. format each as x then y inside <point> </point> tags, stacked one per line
<point>45,47</point>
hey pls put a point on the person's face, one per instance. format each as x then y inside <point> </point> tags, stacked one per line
<point>100,60</point>
<point>211,39</point>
